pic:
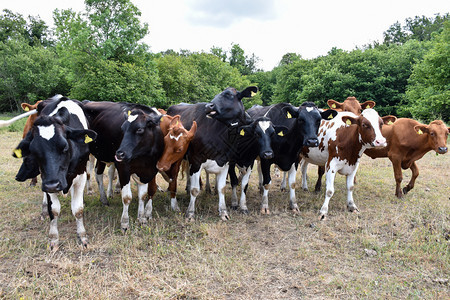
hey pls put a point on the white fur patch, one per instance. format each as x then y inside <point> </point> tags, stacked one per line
<point>156,111</point>
<point>264,125</point>
<point>74,109</point>
<point>132,118</point>
<point>47,132</point>
<point>309,109</point>
<point>175,137</point>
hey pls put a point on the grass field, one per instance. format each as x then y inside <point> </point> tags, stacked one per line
<point>392,249</point>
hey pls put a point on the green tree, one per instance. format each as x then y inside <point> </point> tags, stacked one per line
<point>428,92</point>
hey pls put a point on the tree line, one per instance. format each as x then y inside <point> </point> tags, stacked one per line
<point>98,54</point>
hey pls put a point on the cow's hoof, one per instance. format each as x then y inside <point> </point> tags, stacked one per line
<point>234,207</point>
<point>190,219</point>
<point>143,221</point>
<point>283,189</point>
<point>224,216</point>
<point>265,211</point>
<point>406,190</point>
<point>104,201</point>
<point>244,211</point>
<point>54,245</point>
<point>296,211</point>
<point>322,217</point>
<point>353,208</point>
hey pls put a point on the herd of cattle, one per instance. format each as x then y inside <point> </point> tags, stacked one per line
<point>139,141</point>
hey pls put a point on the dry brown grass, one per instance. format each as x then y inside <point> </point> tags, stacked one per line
<point>391,249</point>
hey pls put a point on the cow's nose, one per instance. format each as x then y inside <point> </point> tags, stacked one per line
<point>51,187</point>
<point>268,155</point>
<point>442,150</point>
<point>312,142</point>
<point>209,108</point>
<point>380,143</point>
<point>120,155</point>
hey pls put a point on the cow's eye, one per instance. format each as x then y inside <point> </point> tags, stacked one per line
<point>179,150</point>
<point>140,131</point>
<point>432,133</point>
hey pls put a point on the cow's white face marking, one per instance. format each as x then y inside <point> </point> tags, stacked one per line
<point>132,118</point>
<point>47,132</point>
<point>73,108</point>
<point>309,109</point>
<point>175,137</point>
<point>234,124</point>
<point>264,125</point>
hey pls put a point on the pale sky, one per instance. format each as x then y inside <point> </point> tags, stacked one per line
<point>267,28</point>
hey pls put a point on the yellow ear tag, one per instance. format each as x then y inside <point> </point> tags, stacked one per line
<point>176,124</point>
<point>330,117</point>
<point>161,119</point>
<point>87,139</point>
<point>333,105</point>
<point>368,106</point>
<point>420,131</point>
<point>280,133</point>
<point>129,112</point>
<point>288,115</point>
<point>18,153</point>
<point>26,108</point>
<point>390,122</point>
<point>252,93</point>
<point>348,122</point>
<point>242,132</point>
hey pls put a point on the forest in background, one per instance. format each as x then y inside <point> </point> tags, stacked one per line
<point>98,54</point>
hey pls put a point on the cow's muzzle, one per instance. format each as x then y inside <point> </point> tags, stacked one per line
<point>267,155</point>
<point>442,150</point>
<point>312,142</point>
<point>52,186</point>
<point>120,156</point>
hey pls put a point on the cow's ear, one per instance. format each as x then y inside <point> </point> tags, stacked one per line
<point>162,111</point>
<point>192,131</point>
<point>63,115</point>
<point>334,104</point>
<point>350,120</point>
<point>26,106</point>
<point>248,92</point>
<point>175,122</point>
<point>290,111</point>
<point>81,136</point>
<point>153,121</point>
<point>280,130</point>
<point>23,149</point>
<point>421,129</point>
<point>28,169</point>
<point>368,104</point>
<point>328,114</point>
<point>389,120</point>
<point>246,130</point>
<point>448,128</point>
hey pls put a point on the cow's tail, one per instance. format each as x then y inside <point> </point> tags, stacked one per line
<point>4,123</point>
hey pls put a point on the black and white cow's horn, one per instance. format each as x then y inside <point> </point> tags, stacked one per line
<point>4,123</point>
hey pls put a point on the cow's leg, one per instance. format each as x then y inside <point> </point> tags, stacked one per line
<point>415,172</point>
<point>234,183</point>
<point>351,206</point>
<point>111,173</point>
<point>320,172</point>
<point>89,171</point>
<point>54,209</point>
<point>33,181</point>
<point>144,211</point>
<point>283,182</point>
<point>304,168</point>
<point>396,164</point>
<point>265,168</point>
<point>260,177</point>
<point>99,178</point>
<point>173,174</point>
<point>76,192</point>
<point>244,186</point>
<point>221,181</point>
<point>126,200</point>
<point>194,184</point>
<point>208,184</point>
<point>152,187</point>
<point>292,173</point>
<point>331,174</point>
<point>44,213</point>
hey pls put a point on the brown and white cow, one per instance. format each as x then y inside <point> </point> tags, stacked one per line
<point>342,141</point>
<point>407,142</point>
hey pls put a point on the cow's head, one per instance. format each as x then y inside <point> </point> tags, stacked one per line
<point>227,106</point>
<point>142,136</point>
<point>369,127</point>
<point>351,104</point>
<point>48,149</point>
<point>176,141</point>
<point>264,132</point>
<point>308,120</point>
<point>437,135</point>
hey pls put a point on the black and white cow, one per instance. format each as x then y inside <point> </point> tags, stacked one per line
<point>254,140</point>
<point>212,147</point>
<point>129,136</point>
<point>57,148</point>
<point>302,126</point>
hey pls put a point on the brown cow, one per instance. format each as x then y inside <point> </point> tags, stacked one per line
<point>176,143</point>
<point>28,125</point>
<point>408,141</point>
<point>350,104</point>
